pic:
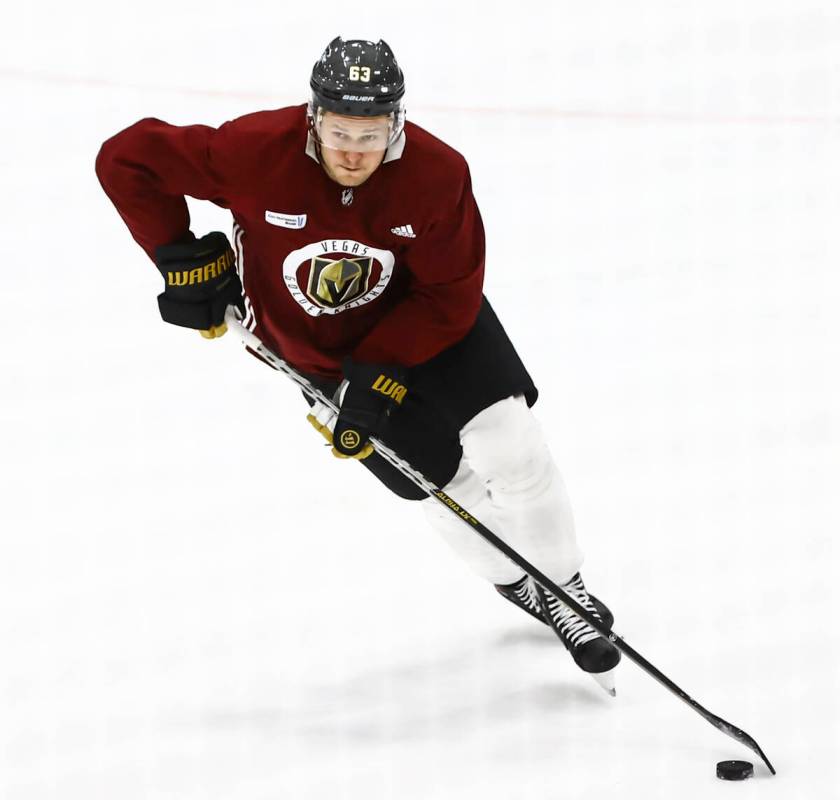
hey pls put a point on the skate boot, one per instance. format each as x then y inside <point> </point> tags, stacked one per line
<point>590,651</point>
<point>523,594</point>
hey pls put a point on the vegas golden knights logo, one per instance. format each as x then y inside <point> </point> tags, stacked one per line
<point>335,282</point>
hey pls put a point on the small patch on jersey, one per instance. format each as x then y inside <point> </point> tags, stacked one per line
<point>404,230</point>
<point>293,221</point>
<point>347,197</point>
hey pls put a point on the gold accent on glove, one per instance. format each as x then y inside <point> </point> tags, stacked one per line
<point>216,332</point>
<point>328,435</point>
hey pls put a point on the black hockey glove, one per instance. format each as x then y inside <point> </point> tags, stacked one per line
<point>201,282</point>
<point>372,391</point>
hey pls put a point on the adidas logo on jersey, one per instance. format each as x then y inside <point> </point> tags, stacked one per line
<point>404,230</point>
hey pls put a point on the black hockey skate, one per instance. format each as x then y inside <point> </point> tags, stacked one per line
<point>523,595</point>
<point>590,651</point>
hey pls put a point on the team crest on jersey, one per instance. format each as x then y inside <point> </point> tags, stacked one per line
<point>336,281</point>
<point>335,275</point>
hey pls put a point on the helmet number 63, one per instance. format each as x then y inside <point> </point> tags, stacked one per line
<point>360,74</point>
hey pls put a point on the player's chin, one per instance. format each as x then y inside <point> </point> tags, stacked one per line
<point>353,177</point>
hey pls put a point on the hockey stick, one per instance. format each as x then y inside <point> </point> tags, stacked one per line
<point>253,342</point>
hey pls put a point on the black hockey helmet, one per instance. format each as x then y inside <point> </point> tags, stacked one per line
<point>357,78</point>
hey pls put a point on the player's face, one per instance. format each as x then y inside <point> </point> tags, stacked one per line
<point>352,147</point>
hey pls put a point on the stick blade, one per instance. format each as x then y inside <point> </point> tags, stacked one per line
<point>739,736</point>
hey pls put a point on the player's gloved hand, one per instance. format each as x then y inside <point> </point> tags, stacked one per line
<point>201,282</point>
<point>323,419</point>
<point>366,397</point>
<point>372,391</point>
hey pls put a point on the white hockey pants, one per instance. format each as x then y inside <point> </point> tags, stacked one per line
<point>508,480</point>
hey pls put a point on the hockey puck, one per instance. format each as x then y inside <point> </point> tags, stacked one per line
<point>734,770</point>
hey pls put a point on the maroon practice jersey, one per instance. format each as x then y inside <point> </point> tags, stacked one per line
<point>390,271</point>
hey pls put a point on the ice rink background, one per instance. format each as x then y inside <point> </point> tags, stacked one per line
<point>198,602</point>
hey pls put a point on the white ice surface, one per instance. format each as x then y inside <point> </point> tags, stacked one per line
<point>198,602</point>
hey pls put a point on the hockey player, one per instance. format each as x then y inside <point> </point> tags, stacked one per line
<point>358,256</point>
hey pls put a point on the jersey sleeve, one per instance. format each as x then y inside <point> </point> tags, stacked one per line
<point>446,266</point>
<point>147,169</point>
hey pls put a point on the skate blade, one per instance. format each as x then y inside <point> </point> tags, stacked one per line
<point>606,680</point>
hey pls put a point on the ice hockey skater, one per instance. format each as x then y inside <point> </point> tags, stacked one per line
<point>358,256</point>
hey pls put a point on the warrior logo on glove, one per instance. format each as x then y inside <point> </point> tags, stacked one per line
<point>350,440</point>
<point>390,388</point>
<point>215,268</point>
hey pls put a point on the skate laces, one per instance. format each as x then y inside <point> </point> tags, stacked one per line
<point>527,595</point>
<point>575,629</point>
